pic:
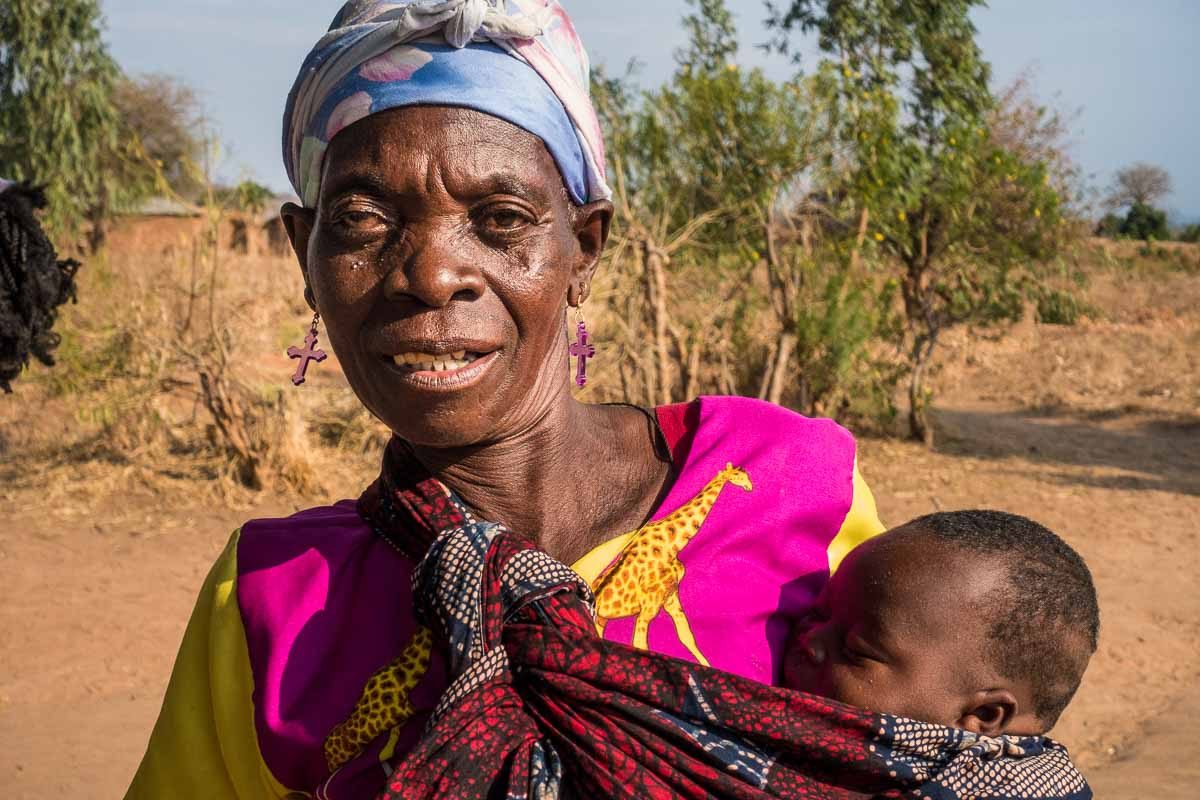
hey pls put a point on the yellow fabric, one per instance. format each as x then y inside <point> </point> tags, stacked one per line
<point>861,523</point>
<point>591,565</point>
<point>204,744</point>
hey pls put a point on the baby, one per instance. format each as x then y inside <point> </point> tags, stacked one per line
<point>979,620</point>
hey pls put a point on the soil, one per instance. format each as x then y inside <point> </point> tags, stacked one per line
<point>1093,430</point>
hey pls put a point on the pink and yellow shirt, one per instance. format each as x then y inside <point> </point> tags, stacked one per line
<point>303,643</point>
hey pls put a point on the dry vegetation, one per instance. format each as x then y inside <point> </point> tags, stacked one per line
<point>172,373</point>
<point>121,475</point>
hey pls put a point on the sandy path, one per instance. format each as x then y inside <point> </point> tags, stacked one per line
<point>91,613</point>
<point>90,617</point>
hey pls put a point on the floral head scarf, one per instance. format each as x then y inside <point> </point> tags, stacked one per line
<point>518,60</point>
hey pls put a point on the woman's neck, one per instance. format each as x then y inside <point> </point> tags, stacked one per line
<point>577,476</point>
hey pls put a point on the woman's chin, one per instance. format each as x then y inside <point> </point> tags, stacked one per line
<point>439,418</point>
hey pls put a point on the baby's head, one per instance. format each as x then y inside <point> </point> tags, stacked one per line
<point>974,619</point>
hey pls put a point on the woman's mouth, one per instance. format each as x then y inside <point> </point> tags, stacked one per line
<point>454,370</point>
<point>430,362</point>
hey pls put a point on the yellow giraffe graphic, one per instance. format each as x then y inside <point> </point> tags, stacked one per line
<point>384,703</point>
<point>644,579</point>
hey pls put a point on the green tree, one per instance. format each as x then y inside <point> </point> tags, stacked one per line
<point>708,171</point>
<point>248,196</point>
<point>58,123</point>
<point>1145,222</point>
<point>953,213</point>
<point>164,116</point>
<point>155,149</point>
<point>1109,226</point>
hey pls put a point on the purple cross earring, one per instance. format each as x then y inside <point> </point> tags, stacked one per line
<point>307,353</point>
<point>581,349</point>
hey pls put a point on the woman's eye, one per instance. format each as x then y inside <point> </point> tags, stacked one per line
<point>359,219</point>
<point>506,220</point>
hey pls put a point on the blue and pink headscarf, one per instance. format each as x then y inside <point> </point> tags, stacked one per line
<point>518,60</point>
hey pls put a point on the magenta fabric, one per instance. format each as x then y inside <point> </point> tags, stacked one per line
<point>761,556</point>
<point>326,603</point>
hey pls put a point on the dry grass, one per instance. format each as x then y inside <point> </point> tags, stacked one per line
<point>172,377</point>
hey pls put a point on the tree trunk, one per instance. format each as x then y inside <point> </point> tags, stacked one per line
<point>920,426</point>
<point>693,382</point>
<point>98,229</point>
<point>230,422</point>
<point>688,359</point>
<point>656,292</point>
<point>764,386</point>
<point>863,219</point>
<point>782,292</point>
<point>783,356</point>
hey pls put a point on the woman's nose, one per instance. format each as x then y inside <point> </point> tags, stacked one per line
<point>434,267</point>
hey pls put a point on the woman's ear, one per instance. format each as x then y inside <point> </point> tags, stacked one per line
<point>592,223</point>
<point>991,712</point>
<point>299,224</point>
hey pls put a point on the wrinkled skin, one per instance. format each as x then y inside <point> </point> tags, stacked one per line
<point>901,628</point>
<point>442,229</point>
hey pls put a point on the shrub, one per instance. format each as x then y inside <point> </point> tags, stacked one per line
<point>1109,226</point>
<point>1056,307</point>
<point>1146,223</point>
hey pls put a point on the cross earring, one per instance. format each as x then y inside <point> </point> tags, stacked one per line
<point>307,353</point>
<point>581,349</point>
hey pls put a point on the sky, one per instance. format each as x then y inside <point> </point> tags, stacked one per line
<point>1129,70</point>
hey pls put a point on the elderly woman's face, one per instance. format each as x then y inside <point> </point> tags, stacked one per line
<point>442,257</point>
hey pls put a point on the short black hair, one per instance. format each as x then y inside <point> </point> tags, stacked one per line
<point>1048,622</point>
<point>34,282</point>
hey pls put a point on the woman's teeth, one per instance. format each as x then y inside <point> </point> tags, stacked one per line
<point>427,362</point>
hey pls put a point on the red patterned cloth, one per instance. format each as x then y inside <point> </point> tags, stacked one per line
<point>540,707</point>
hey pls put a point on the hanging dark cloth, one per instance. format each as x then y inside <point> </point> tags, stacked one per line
<point>540,707</point>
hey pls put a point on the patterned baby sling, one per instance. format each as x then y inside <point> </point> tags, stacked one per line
<point>540,707</point>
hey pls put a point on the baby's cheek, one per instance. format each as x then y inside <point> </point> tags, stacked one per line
<point>850,686</point>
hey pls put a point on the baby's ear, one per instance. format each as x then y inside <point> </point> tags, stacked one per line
<point>990,712</point>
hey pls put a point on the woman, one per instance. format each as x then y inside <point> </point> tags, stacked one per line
<point>454,207</point>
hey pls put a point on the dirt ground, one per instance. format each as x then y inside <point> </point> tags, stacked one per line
<point>1093,430</point>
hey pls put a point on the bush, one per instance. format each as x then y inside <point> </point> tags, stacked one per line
<point>1109,226</point>
<point>1189,233</point>
<point>1056,307</point>
<point>1146,223</point>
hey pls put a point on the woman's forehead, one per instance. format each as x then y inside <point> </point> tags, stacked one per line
<point>446,144</point>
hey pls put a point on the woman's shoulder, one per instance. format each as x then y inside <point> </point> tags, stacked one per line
<point>745,423</point>
<point>338,521</point>
<point>330,535</point>
<point>323,604</point>
<point>339,516</point>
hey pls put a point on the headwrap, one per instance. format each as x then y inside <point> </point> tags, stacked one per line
<point>518,60</point>
<point>540,706</point>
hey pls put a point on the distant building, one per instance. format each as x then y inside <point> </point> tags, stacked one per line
<point>167,226</point>
<point>271,224</point>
